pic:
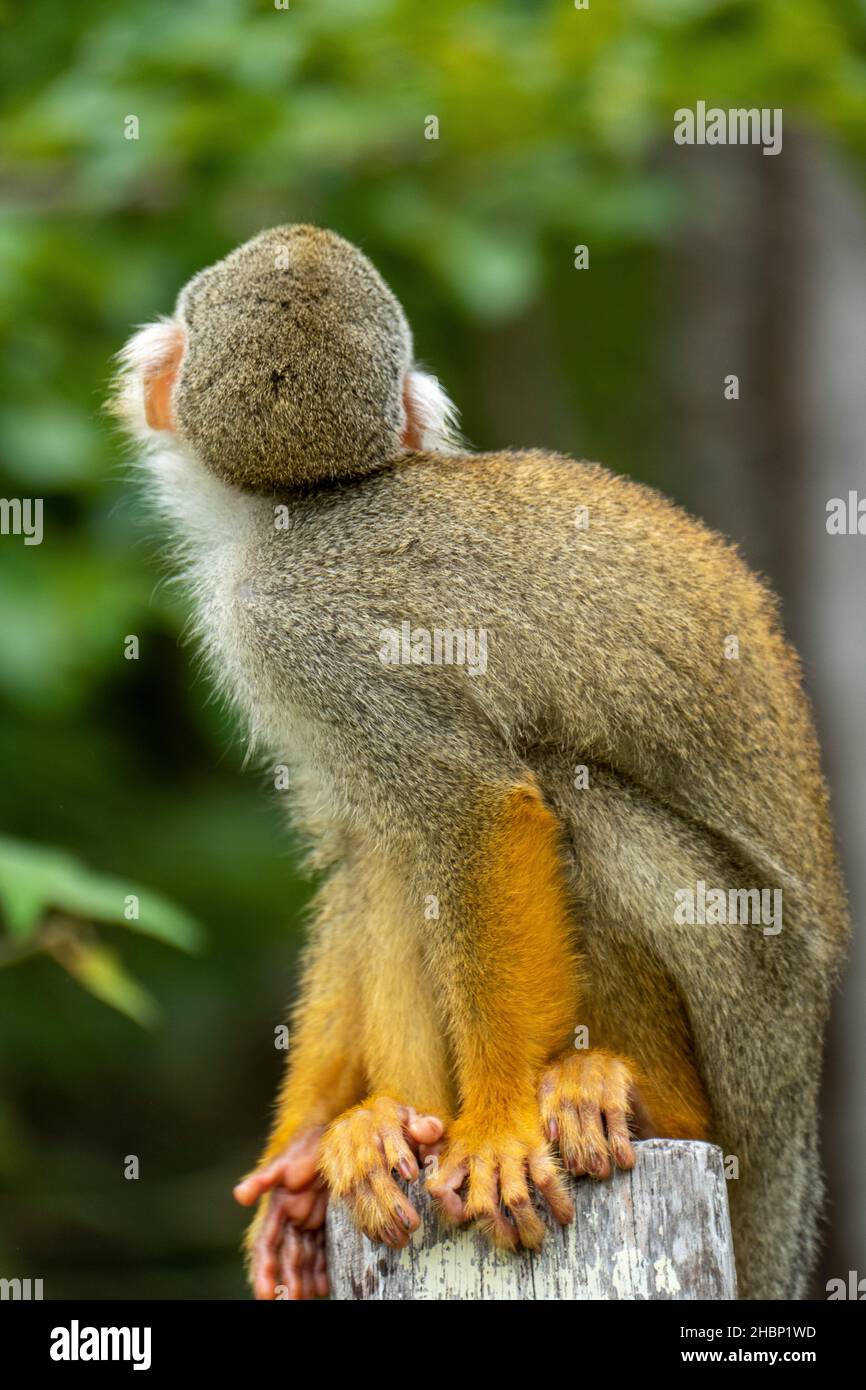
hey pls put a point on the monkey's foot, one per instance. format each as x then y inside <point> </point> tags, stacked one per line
<point>360,1152</point>
<point>286,1241</point>
<point>495,1171</point>
<point>585,1100</point>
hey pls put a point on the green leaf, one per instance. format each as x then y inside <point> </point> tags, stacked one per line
<point>101,972</point>
<point>35,880</point>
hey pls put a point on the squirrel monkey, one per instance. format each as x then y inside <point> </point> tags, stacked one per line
<point>529,707</point>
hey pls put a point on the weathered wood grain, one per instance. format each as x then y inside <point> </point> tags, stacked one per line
<point>660,1231</point>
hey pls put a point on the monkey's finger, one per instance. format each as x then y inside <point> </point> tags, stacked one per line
<point>301,1160</point>
<point>430,1151</point>
<point>270,1233</point>
<point>265,1277</point>
<point>483,1204</point>
<point>618,1139</point>
<point>264,1257</point>
<point>592,1150</point>
<point>296,1258</point>
<point>514,1190</point>
<point>294,1249</point>
<point>275,1237</point>
<point>403,1221</point>
<point>569,1136</point>
<point>318,1264</point>
<point>547,1106</point>
<point>616,1086</point>
<point>530,1227</point>
<point>320,1274</point>
<point>297,1206</point>
<point>281,1262</point>
<point>256,1184</point>
<point>444,1188</point>
<point>582,1142</point>
<point>552,1185</point>
<point>308,1264</point>
<point>382,1211</point>
<point>398,1156</point>
<point>424,1129</point>
<point>499,1229</point>
<point>316,1219</point>
<point>289,1276</point>
<point>295,1169</point>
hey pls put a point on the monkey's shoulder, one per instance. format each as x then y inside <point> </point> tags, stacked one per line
<point>528,516</point>
<point>545,551</point>
<point>522,490</point>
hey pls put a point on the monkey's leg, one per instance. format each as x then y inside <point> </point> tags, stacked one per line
<point>508,972</point>
<point>406,1064</point>
<point>324,1074</point>
<point>639,1077</point>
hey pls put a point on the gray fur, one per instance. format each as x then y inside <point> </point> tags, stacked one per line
<point>296,353</point>
<point>605,649</point>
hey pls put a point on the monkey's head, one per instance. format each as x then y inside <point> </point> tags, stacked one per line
<point>287,363</point>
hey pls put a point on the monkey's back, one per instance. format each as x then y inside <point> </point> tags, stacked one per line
<point>620,632</point>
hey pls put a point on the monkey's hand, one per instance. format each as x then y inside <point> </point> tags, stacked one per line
<point>362,1150</point>
<point>286,1241</point>
<point>586,1099</point>
<point>496,1168</point>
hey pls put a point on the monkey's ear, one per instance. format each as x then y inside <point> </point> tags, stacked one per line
<point>150,364</point>
<point>430,417</point>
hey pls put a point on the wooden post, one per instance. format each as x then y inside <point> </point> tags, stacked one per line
<point>660,1231</point>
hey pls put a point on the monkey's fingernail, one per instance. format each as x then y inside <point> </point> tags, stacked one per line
<point>405,1169</point>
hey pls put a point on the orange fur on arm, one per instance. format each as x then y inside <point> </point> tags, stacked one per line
<point>513,992</point>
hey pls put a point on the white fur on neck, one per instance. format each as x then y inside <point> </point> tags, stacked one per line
<point>203,511</point>
<point>433,412</point>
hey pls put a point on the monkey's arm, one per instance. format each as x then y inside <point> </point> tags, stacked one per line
<point>509,976</point>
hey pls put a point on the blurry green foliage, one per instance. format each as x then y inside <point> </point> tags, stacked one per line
<point>554,129</point>
<point>48,901</point>
<point>35,881</point>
